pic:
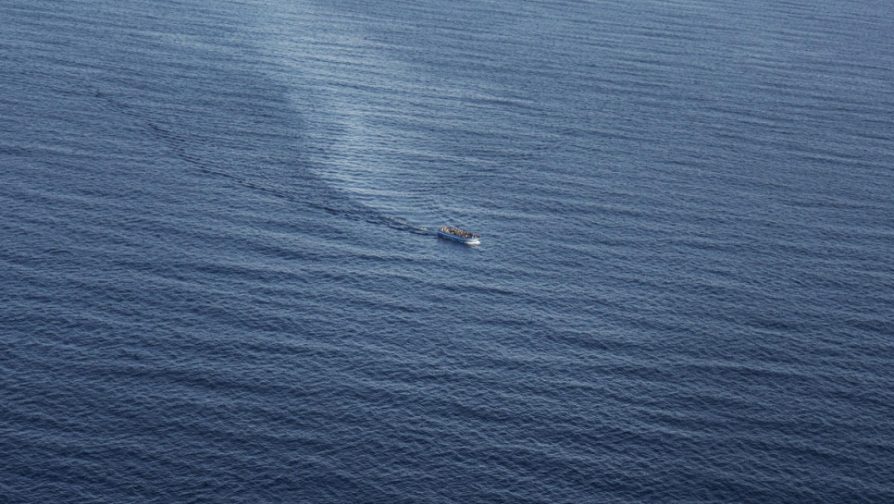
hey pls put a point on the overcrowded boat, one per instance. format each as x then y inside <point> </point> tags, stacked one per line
<point>460,235</point>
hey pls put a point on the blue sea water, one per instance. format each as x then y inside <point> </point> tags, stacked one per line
<point>219,280</point>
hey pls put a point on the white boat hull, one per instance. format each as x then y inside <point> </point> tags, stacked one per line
<point>468,241</point>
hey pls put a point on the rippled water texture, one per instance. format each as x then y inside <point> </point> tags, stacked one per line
<point>219,279</point>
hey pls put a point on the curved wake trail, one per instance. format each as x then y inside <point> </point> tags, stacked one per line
<point>333,201</point>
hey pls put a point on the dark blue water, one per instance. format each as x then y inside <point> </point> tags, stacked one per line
<point>219,281</point>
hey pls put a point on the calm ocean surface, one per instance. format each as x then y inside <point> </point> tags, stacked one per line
<point>219,280</point>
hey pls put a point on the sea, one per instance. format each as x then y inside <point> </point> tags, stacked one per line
<point>220,279</point>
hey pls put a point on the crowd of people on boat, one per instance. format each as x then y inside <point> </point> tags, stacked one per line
<point>458,232</point>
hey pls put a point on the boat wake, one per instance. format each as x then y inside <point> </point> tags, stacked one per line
<point>323,196</point>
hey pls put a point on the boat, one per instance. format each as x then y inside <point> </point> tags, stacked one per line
<point>459,235</point>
